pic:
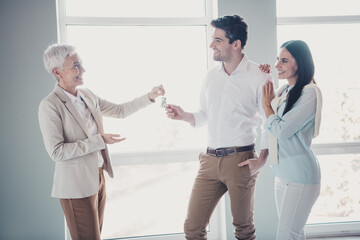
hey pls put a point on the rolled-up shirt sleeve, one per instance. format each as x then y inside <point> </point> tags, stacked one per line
<point>301,113</point>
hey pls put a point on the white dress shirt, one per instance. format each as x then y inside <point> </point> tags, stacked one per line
<point>87,117</point>
<point>231,105</point>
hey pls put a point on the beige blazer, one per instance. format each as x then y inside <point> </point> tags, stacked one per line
<point>69,143</point>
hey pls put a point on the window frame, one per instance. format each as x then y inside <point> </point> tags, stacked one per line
<point>332,148</point>
<point>63,21</point>
<point>217,221</point>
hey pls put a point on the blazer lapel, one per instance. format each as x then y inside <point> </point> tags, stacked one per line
<point>98,121</point>
<point>93,112</point>
<point>279,98</point>
<point>71,108</point>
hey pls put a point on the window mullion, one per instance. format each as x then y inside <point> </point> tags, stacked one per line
<point>61,28</point>
<point>318,20</point>
<point>115,21</point>
<point>135,158</point>
<point>336,148</point>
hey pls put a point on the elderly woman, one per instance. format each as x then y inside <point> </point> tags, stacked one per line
<point>72,128</point>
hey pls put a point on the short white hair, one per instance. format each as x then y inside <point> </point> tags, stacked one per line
<point>55,56</point>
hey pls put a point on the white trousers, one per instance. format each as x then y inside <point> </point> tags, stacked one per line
<point>293,203</point>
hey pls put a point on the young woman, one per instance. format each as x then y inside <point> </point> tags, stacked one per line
<point>293,119</point>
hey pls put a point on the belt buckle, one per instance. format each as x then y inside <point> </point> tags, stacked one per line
<point>220,152</point>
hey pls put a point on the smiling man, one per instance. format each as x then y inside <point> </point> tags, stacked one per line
<point>230,103</point>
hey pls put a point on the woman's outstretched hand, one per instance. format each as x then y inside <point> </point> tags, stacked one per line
<point>156,92</point>
<point>112,138</point>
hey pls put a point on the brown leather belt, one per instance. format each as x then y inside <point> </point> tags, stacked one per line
<point>222,152</point>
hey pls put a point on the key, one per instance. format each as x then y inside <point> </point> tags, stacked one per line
<point>163,102</point>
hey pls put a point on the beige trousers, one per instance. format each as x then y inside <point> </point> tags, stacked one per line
<point>217,175</point>
<point>84,216</point>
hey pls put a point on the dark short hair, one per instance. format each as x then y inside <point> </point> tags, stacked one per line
<point>305,69</point>
<point>234,26</point>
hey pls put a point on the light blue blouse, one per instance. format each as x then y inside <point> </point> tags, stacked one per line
<point>294,132</point>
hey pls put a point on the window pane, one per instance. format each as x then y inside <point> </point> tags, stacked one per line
<point>135,8</point>
<point>339,200</point>
<point>139,203</point>
<point>335,49</point>
<point>125,62</point>
<point>304,8</point>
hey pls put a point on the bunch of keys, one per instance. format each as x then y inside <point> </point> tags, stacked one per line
<point>163,102</point>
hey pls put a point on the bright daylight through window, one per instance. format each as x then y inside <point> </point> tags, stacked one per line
<point>126,50</point>
<point>332,33</point>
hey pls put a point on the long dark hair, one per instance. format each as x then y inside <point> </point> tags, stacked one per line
<point>305,72</point>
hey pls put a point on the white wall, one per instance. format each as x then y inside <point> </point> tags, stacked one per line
<point>261,48</point>
<point>26,209</point>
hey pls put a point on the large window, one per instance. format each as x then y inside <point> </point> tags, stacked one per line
<point>332,33</point>
<point>127,47</point>
<point>124,62</point>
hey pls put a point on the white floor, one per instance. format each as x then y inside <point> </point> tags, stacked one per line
<point>338,238</point>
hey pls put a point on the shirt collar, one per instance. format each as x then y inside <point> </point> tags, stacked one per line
<point>73,98</point>
<point>240,68</point>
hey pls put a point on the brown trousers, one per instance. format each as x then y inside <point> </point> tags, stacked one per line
<point>84,216</point>
<point>217,175</point>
